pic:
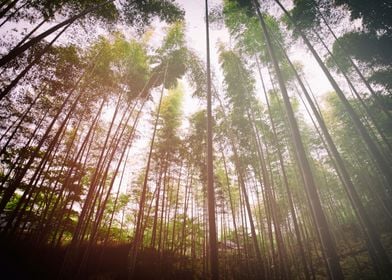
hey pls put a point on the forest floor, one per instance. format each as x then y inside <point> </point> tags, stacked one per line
<point>23,260</point>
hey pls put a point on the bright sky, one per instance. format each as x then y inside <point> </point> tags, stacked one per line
<point>195,13</point>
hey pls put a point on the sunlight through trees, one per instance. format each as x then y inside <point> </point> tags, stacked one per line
<point>128,153</point>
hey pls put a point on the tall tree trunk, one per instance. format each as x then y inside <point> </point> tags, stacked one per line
<point>138,230</point>
<point>15,52</point>
<point>358,207</point>
<point>360,99</point>
<point>376,97</point>
<point>18,123</point>
<point>231,203</point>
<point>11,15</point>
<point>327,241</point>
<point>381,162</point>
<point>155,223</point>
<point>213,243</point>
<point>22,172</point>
<point>7,8</point>
<point>285,180</point>
<point>93,183</point>
<point>15,81</point>
<point>176,207</point>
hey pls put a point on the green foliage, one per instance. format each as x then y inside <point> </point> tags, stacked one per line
<point>11,205</point>
<point>142,12</point>
<point>245,5</point>
<point>196,75</point>
<point>196,142</point>
<point>352,148</point>
<point>170,120</point>
<point>171,57</point>
<point>382,77</point>
<point>375,15</point>
<point>247,31</point>
<point>49,8</point>
<point>116,68</point>
<point>120,65</point>
<point>135,13</point>
<point>371,49</point>
<point>304,15</point>
<point>366,47</point>
<point>370,46</point>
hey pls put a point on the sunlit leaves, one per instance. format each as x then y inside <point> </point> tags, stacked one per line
<point>169,122</point>
<point>121,64</point>
<point>171,58</point>
<point>248,33</point>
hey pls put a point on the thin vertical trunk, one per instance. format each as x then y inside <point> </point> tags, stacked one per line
<point>22,172</point>
<point>69,173</point>
<point>37,58</point>
<point>155,223</point>
<point>176,207</point>
<point>138,231</point>
<point>241,174</point>
<point>7,8</point>
<point>166,181</point>
<point>327,241</point>
<point>214,262</point>
<point>381,162</point>
<point>376,97</point>
<point>360,99</point>
<point>18,123</point>
<point>231,203</point>
<point>20,175</point>
<point>93,183</point>
<point>285,180</point>
<point>16,165</point>
<point>15,52</point>
<point>364,219</point>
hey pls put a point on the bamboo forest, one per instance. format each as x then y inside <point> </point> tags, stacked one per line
<point>196,139</point>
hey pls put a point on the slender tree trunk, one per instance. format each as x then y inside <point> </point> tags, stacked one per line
<point>155,223</point>
<point>93,183</point>
<point>213,243</point>
<point>231,203</point>
<point>13,13</point>
<point>327,241</point>
<point>20,175</point>
<point>6,9</point>
<point>376,97</point>
<point>365,221</point>
<point>381,162</point>
<point>17,165</point>
<point>360,99</point>
<point>285,180</point>
<point>22,172</point>
<point>15,81</point>
<point>68,177</point>
<point>176,207</point>
<point>18,123</point>
<point>15,52</point>
<point>138,231</point>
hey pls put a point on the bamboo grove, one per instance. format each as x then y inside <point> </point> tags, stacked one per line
<point>105,174</point>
